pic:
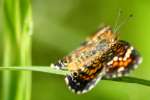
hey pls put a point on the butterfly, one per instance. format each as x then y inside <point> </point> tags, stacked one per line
<point>101,55</point>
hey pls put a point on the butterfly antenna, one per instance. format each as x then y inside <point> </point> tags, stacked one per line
<point>124,22</point>
<point>117,19</point>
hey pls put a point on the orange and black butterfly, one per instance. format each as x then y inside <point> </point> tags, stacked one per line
<point>101,55</point>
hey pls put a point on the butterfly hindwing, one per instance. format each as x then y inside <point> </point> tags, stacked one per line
<point>124,58</point>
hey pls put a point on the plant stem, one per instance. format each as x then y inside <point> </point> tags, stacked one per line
<point>36,69</point>
<point>17,49</point>
<point>51,70</point>
<point>132,80</point>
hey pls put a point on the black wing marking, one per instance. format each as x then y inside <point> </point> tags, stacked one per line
<point>80,86</point>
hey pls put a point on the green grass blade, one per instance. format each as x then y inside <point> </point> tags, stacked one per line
<point>37,69</point>
<point>17,49</point>
<point>51,70</point>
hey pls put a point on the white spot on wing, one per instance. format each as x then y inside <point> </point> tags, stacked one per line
<point>131,48</point>
<point>128,53</point>
<point>119,74</point>
<point>91,87</point>
<point>78,92</point>
<point>120,69</point>
<point>140,60</point>
<point>73,90</point>
<point>66,80</point>
<point>120,58</point>
<point>115,58</point>
<point>124,59</point>
<point>69,87</point>
<point>114,76</point>
<point>82,68</point>
<point>110,62</point>
<point>135,66</point>
<point>84,91</point>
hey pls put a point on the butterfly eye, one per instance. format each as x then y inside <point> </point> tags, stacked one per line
<point>75,74</point>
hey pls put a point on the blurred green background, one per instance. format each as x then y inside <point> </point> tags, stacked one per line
<point>61,25</point>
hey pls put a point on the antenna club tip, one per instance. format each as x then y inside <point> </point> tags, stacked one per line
<point>131,15</point>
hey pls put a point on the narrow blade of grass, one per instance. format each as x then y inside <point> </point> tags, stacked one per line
<point>17,48</point>
<point>51,70</point>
